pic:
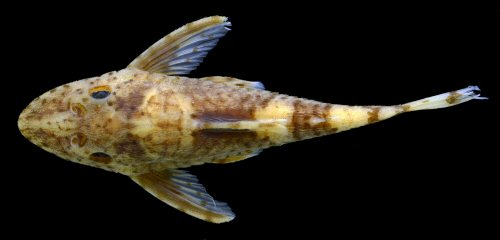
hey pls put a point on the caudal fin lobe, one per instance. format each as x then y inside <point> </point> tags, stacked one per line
<point>444,100</point>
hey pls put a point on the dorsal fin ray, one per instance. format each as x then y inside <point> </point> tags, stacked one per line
<point>183,50</point>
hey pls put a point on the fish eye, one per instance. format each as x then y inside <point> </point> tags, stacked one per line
<point>100,92</point>
<point>100,157</point>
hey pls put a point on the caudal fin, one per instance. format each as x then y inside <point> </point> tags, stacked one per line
<point>444,100</point>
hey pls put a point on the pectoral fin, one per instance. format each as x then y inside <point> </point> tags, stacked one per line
<point>183,50</point>
<point>181,190</point>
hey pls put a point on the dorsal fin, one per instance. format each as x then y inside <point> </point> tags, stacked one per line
<point>183,50</point>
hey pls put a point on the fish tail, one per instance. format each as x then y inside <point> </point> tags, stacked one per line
<point>444,100</point>
<point>308,119</point>
<point>348,117</point>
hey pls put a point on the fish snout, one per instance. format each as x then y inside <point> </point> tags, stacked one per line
<point>46,123</point>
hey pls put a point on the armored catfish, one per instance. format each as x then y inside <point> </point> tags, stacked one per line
<point>147,122</point>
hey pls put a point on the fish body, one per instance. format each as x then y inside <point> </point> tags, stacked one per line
<point>147,122</point>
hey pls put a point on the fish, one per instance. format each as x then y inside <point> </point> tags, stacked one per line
<point>149,122</point>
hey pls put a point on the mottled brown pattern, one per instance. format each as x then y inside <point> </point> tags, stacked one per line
<point>214,145</point>
<point>305,110</point>
<point>42,107</point>
<point>130,103</point>
<point>322,111</point>
<point>218,102</point>
<point>47,140</point>
<point>131,146</point>
<point>221,138</point>
<point>263,101</point>
<point>142,123</point>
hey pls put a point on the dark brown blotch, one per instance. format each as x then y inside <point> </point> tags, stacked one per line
<point>301,126</point>
<point>264,101</point>
<point>130,145</point>
<point>406,108</point>
<point>454,96</point>
<point>373,114</point>
<point>100,157</point>
<point>131,103</point>
<point>218,140</point>
<point>165,124</point>
<point>300,119</point>
<point>214,101</point>
<point>296,119</point>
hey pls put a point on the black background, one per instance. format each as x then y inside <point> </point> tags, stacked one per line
<point>425,173</point>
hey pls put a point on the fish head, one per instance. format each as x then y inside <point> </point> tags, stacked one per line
<point>75,121</point>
